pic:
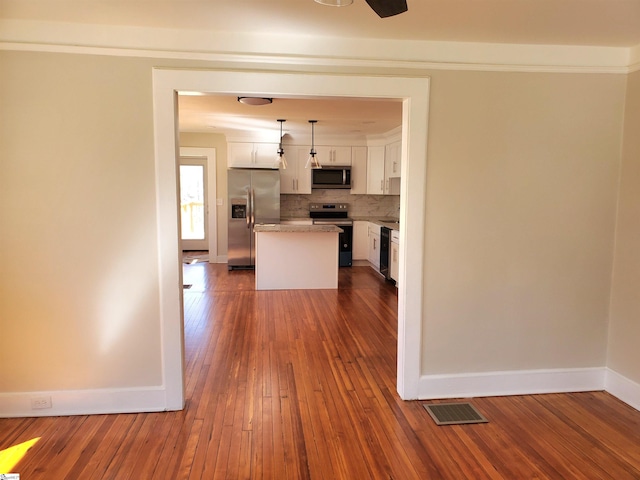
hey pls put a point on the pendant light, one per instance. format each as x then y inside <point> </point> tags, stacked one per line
<point>281,161</point>
<point>312,162</point>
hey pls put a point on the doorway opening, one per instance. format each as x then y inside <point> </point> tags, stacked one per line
<point>415,95</point>
<point>197,202</point>
<point>193,204</point>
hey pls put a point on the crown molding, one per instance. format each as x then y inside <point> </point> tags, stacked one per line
<point>288,50</point>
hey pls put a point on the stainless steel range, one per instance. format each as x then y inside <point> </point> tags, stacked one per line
<point>336,214</point>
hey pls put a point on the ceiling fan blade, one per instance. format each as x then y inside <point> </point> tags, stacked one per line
<point>388,8</point>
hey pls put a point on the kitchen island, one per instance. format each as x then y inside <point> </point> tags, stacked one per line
<point>296,256</point>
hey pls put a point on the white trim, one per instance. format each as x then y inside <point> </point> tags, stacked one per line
<point>623,388</point>
<point>634,59</point>
<point>249,48</point>
<point>169,256</point>
<point>517,382</point>
<point>84,402</point>
<point>414,91</point>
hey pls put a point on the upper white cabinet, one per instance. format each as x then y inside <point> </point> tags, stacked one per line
<point>252,155</point>
<point>383,165</point>
<point>333,155</point>
<point>375,170</point>
<point>295,178</point>
<point>392,159</point>
<point>359,170</point>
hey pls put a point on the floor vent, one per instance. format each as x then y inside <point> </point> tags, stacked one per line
<point>454,413</point>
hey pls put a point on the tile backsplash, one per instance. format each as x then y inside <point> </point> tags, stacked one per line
<point>293,206</point>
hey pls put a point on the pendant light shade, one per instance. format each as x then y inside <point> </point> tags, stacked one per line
<point>312,161</point>
<point>281,161</point>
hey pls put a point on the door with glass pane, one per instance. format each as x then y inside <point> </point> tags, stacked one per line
<point>193,203</point>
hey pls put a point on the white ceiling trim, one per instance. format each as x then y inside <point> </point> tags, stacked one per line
<point>311,51</point>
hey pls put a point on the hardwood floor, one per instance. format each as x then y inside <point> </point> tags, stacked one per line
<point>301,385</point>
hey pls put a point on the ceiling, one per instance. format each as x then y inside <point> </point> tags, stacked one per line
<point>336,117</point>
<point>613,23</point>
<point>607,23</point>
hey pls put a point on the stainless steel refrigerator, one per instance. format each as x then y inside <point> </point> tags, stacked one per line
<point>254,198</point>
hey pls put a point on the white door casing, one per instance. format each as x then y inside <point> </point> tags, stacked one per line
<point>414,91</point>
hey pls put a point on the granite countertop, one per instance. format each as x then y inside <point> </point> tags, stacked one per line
<point>389,222</point>
<point>277,227</point>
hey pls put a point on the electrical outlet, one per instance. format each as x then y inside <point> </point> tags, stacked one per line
<point>39,403</point>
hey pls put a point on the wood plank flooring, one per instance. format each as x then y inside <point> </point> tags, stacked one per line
<point>301,385</point>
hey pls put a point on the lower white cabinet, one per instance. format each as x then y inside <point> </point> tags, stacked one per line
<point>374,245</point>
<point>360,240</point>
<point>393,260</point>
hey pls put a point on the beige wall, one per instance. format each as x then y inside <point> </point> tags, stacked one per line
<point>520,219</point>
<point>79,301</point>
<point>624,331</point>
<point>521,195</point>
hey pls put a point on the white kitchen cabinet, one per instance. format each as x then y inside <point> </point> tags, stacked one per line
<point>392,159</point>
<point>375,170</point>
<point>394,257</point>
<point>252,155</point>
<point>329,156</point>
<point>295,178</point>
<point>359,170</point>
<point>360,240</point>
<point>374,245</point>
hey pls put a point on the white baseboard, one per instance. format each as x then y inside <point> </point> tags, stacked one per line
<point>84,402</point>
<point>624,389</point>
<point>221,259</point>
<point>522,382</point>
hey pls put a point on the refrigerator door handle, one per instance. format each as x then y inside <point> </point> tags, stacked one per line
<point>253,215</point>
<point>248,213</point>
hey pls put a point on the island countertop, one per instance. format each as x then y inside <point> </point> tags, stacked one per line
<point>282,228</point>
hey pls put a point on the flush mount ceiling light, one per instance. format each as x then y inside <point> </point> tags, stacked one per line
<point>312,161</point>
<point>255,100</point>
<point>335,3</point>
<point>281,162</point>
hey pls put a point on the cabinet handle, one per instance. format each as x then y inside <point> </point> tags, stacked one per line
<point>382,185</point>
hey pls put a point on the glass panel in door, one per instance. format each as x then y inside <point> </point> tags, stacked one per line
<point>193,202</point>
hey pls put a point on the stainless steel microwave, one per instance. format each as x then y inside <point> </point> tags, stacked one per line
<point>331,177</point>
